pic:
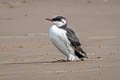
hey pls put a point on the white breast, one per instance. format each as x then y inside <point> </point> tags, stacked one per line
<point>60,40</point>
<point>55,33</point>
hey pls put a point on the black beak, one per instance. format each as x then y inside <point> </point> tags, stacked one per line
<point>48,19</point>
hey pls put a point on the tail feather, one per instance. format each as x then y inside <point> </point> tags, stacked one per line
<point>80,52</point>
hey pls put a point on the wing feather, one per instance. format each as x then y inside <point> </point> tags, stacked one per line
<point>72,37</point>
<point>75,43</point>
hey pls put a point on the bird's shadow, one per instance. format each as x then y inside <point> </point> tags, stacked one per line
<point>47,62</point>
<point>44,62</point>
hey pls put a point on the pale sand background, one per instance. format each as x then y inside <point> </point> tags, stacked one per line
<point>26,53</point>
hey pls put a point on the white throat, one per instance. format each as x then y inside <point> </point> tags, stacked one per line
<point>60,23</point>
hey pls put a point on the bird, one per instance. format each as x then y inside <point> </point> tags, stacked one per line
<point>65,39</point>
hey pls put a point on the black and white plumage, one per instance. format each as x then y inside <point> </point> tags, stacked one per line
<point>65,39</point>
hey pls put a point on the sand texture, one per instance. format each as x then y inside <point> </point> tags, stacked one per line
<point>26,52</point>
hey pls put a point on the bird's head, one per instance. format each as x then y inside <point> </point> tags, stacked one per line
<point>59,21</point>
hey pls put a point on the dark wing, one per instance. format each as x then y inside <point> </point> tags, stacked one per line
<point>72,37</point>
<point>75,43</point>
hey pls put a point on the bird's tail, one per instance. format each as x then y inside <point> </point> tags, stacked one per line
<point>80,52</point>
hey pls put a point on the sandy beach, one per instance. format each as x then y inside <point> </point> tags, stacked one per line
<point>26,53</point>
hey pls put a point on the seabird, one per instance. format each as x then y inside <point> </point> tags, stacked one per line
<point>65,39</point>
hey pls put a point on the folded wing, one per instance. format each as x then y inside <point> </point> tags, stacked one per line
<point>75,43</point>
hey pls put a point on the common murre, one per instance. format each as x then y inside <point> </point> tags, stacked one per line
<point>65,39</point>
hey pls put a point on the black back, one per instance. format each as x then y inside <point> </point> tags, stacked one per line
<point>75,43</point>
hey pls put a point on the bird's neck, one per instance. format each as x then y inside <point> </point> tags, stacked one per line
<point>59,26</point>
<point>64,26</point>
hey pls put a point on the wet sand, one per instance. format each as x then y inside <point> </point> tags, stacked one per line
<point>26,52</point>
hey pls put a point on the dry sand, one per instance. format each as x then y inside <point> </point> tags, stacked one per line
<point>26,53</point>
